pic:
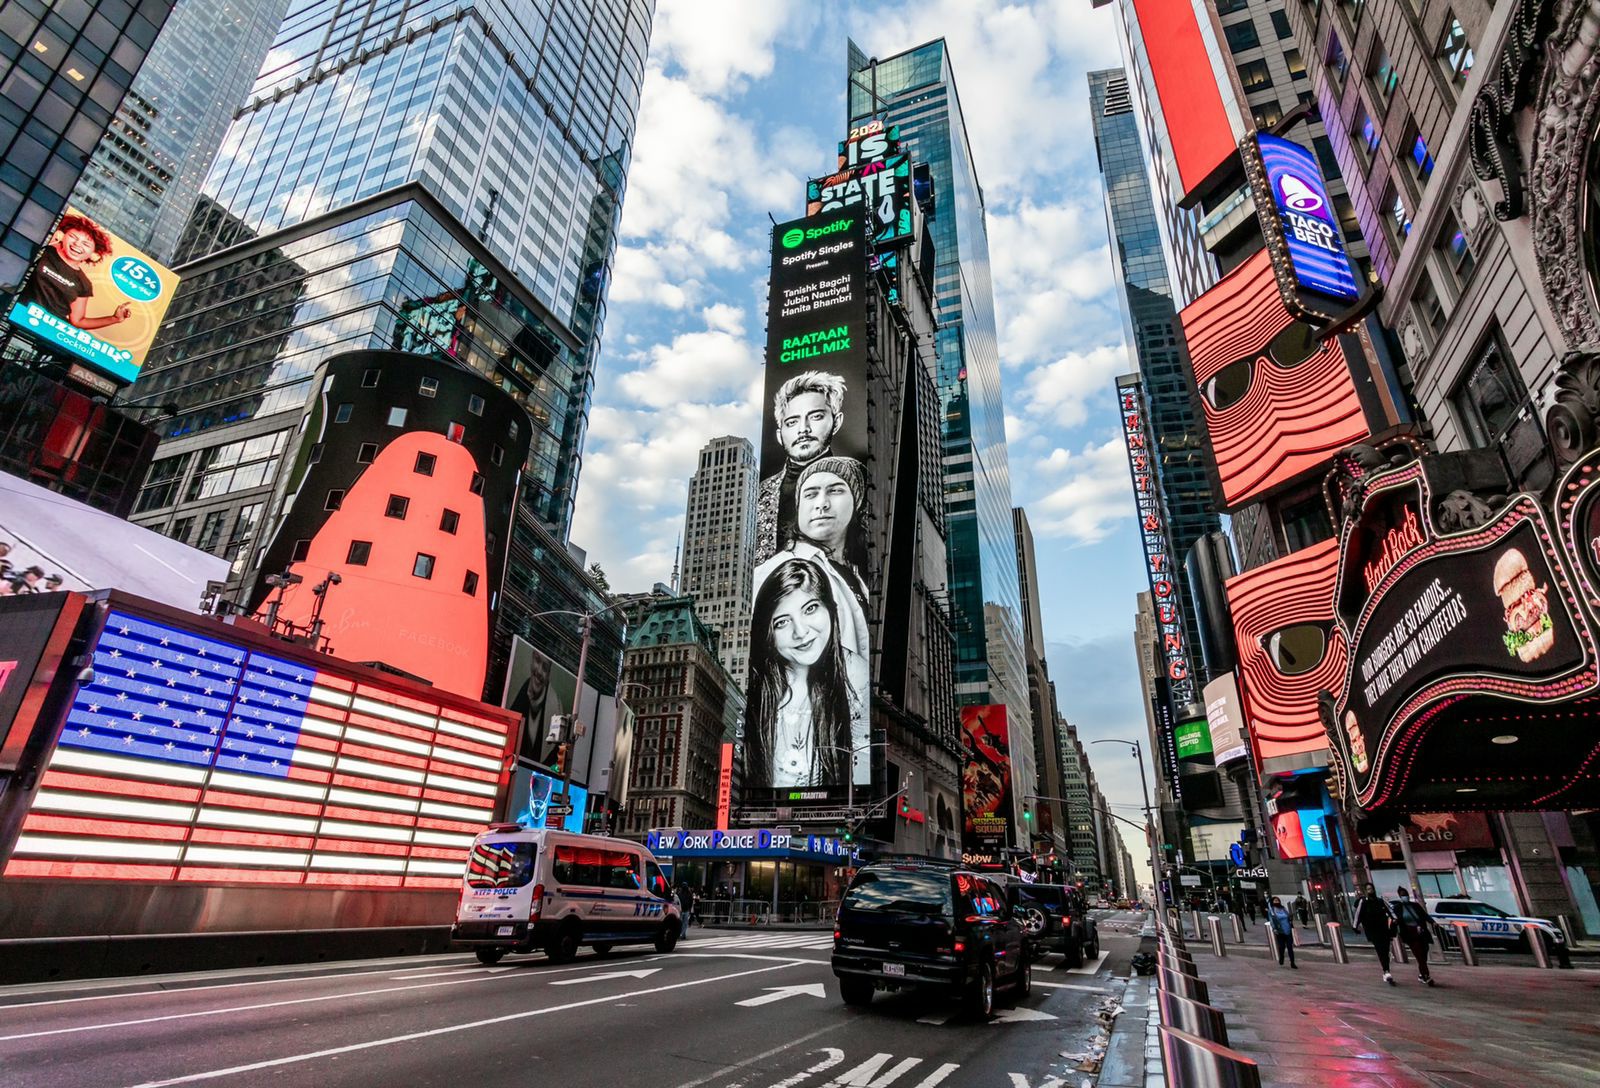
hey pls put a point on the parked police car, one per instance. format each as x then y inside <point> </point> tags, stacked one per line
<point>1488,924</point>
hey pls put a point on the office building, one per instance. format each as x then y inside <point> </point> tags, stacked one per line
<point>719,546</point>
<point>916,90</point>
<point>62,77</point>
<point>1050,819</point>
<point>397,179</point>
<point>1150,329</point>
<point>142,181</point>
<point>1083,850</point>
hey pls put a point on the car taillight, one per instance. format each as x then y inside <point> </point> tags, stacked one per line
<point>961,946</point>
<point>538,901</point>
<point>836,933</point>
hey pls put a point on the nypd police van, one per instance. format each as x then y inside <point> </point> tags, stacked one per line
<point>536,888</point>
<point>1488,924</point>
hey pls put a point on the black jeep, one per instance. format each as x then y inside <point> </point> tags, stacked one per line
<point>1055,918</point>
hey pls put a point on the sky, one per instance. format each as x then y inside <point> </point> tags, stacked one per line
<point>742,102</point>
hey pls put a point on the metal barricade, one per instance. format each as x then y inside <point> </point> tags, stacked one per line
<point>1469,955</point>
<point>1194,1062</point>
<point>1217,947</point>
<point>1184,985</point>
<point>1336,939</point>
<point>1188,1015</point>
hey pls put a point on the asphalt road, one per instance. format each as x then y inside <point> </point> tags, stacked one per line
<point>727,1009</point>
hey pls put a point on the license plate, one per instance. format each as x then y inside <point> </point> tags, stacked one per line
<point>505,931</point>
<point>894,968</point>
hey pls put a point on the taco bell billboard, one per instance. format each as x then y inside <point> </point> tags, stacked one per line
<point>1311,231</point>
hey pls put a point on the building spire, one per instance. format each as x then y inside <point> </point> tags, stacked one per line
<point>677,550</point>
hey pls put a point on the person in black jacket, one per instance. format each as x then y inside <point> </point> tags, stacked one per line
<point>1373,919</point>
<point>1411,925</point>
<point>686,907</point>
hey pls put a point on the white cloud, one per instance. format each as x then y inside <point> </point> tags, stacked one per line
<point>1089,493</point>
<point>1053,278</point>
<point>640,277</point>
<point>708,365</point>
<point>1065,392</point>
<point>717,43</point>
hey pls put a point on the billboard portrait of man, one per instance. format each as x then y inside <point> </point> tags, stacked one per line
<point>807,411</point>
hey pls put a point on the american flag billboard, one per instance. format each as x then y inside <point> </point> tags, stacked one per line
<point>195,758</point>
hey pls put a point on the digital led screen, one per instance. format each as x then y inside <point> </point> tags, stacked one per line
<point>1197,121</point>
<point>94,296</point>
<point>1306,219</point>
<point>192,757</point>
<point>1193,739</point>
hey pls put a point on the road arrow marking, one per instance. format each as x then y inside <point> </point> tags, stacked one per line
<point>1090,968</point>
<point>1020,1015</point>
<point>778,993</point>
<point>648,971</point>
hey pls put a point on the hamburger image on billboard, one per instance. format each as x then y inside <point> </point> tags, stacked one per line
<point>1530,634</point>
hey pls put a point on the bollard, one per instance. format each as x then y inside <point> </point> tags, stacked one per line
<point>1566,929</point>
<point>1398,951</point>
<point>1218,949</point>
<point>1322,923</point>
<point>1336,939</point>
<point>1272,941</point>
<point>1469,955</point>
<point>1193,1017</point>
<point>1536,945</point>
<point>1191,1060</point>
<point>1238,929</point>
<point>1194,920</point>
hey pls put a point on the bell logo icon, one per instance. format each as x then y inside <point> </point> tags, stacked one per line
<point>1298,196</point>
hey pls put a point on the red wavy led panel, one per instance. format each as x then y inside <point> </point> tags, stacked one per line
<point>1297,589</point>
<point>1291,420</point>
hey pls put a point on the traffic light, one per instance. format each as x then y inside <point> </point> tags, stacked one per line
<point>905,806</point>
<point>1027,815</point>
<point>849,835</point>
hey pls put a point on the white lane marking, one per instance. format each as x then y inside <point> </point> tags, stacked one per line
<point>779,993</point>
<point>609,975</point>
<point>743,956</point>
<point>304,976</point>
<point>1021,1015</point>
<point>834,1057</point>
<point>763,1056</point>
<point>867,1075</point>
<point>1071,986</point>
<point>290,1001</point>
<point>450,1029</point>
<point>1018,1080</point>
<point>937,1020</point>
<point>1090,968</point>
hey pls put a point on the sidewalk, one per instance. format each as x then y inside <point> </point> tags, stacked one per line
<point>1331,1023</point>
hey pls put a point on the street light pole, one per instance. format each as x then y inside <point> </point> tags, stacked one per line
<point>1149,818</point>
<point>570,733</point>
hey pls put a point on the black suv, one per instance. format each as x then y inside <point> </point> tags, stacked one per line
<point>928,923</point>
<point>1056,919</point>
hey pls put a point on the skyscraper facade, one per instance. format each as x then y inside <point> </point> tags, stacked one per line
<point>1050,823</point>
<point>431,178</point>
<point>916,89</point>
<point>145,174</point>
<point>719,546</point>
<point>62,76</point>
<point>1150,328</point>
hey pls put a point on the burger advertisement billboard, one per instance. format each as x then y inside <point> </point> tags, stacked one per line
<point>985,783</point>
<point>94,297</point>
<point>1451,634</point>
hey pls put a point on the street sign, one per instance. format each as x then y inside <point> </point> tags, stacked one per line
<point>1189,881</point>
<point>558,810</point>
<point>1259,870</point>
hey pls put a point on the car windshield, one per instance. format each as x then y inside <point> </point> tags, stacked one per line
<point>900,891</point>
<point>1042,894</point>
<point>1468,907</point>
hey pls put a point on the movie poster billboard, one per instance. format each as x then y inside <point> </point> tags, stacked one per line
<point>985,782</point>
<point>809,686</point>
<point>95,297</point>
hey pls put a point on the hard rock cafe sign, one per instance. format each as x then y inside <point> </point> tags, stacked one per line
<point>1466,620</point>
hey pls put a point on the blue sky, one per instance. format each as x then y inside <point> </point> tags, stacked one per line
<point>744,101</point>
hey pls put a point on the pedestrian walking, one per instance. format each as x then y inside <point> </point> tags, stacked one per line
<point>1302,910</point>
<point>1373,919</point>
<point>1282,931</point>
<point>685,908</point>
<point>1250,908</point>
<point>1411,925</point>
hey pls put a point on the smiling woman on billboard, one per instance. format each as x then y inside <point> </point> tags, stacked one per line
<point>59,283</point>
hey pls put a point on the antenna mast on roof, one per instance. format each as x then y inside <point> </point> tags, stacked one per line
<point>677,550</point>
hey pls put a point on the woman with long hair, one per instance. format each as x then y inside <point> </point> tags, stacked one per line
<point>807,698</point>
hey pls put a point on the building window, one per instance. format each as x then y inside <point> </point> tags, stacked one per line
<point>1421,158</point>
<point>1241,36</point>
<point>302,548</point>
<point>1354,8</point>
<point>1346,212</point>
<point>477,483</point>
<point>1228,7</point>
<point>455,432</point>
<point>334,500</point>
<point>469,585</point>
<point>1399,218</point>
<point>211,530</point>
<point>496,455</point>
<point>315,456</point>
<point>1280,25</point>
<point>342,413</point>
<point>396,507</point>
<point>449,521</point>
<point>1454,52</point>
<point>1266,115</point>
<point>423,567</point>
<point>360,551</point>
<point>425,464</point>
<point>428,387</point>
<point>180,530</point>
<point>161,485</point>
<point>1364,132</point>
<point>1381,72</point>
<point>1430,311</point>
<point>1491,406</point>
<point>1452,246</point>
<point>1297,65</point>
<point>475,405</point>
<point>1338,63</point>
<point>369,379</point>
<point>397,417</point>
<point>367,454</point>
<point>1253,74</point>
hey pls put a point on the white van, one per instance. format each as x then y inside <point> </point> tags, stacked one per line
<point>528,888</point>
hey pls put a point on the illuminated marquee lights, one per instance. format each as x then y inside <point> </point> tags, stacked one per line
<point>190,758</point>
<point>1159,564</point>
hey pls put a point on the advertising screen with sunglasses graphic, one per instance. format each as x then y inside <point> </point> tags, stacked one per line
<point>1311,231</point>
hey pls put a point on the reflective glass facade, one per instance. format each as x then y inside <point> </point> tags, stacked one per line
<point>146,172</point>
<point>64,67</point>
<point>917,90</point>
<point>1150,325</point>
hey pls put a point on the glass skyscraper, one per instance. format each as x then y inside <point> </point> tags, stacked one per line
<point>421,175</point>
<point>145,175</point>
<point>1150,326</point>
<point>917,90</point>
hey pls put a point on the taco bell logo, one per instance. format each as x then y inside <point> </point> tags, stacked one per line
<point>1299,196</point>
